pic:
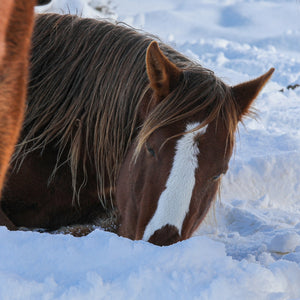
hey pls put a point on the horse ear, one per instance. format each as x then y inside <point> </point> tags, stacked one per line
<point>163,75</point>
<point>246,92</point>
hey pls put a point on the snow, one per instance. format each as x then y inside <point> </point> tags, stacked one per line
<point>104,266</point>
<point>249,245</point>
<point>284,242</point>
<point>92,8</point>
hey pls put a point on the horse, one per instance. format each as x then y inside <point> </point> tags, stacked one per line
<point>16,24</point>
<point>122,129</point>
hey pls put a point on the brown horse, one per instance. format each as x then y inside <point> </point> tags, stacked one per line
<point>16,24</point>
<point>116,122</point>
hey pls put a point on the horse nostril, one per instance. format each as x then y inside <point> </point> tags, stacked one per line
<point>165,236</point>
<point>42,2</point>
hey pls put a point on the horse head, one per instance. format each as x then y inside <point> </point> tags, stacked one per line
<point>172,171</point>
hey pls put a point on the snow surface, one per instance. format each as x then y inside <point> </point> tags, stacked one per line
<point>249,246</point>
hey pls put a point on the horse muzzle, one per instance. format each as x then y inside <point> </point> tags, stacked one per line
<point>165,236</point>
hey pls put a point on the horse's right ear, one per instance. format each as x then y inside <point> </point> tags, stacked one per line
<point>163,75</point>
<point>246,92</point>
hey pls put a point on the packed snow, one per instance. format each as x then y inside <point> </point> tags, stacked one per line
<point>249,245</point>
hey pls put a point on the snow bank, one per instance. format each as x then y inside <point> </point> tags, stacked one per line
<point>89,9</point>
<point>104,266</point>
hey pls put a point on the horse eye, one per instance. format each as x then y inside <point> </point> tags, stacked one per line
<point>150,150</point>
<point>215,178</point>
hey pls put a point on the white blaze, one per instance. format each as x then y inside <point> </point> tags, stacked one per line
<point>174,202</point>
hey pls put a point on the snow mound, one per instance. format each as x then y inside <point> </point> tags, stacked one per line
<point>284,242</point>
<point>89,9</point>
<point>105,266</point>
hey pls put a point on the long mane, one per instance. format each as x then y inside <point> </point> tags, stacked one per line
<point>88,78</point>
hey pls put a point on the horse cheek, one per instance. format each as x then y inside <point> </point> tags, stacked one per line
<point>129,191</point>
<point>125,205</point>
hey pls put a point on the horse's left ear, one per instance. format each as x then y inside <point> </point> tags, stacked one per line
<point>246,92</point>
<point>163,75</point>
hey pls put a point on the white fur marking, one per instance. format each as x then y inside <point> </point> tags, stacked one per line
<point>174,202</point>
